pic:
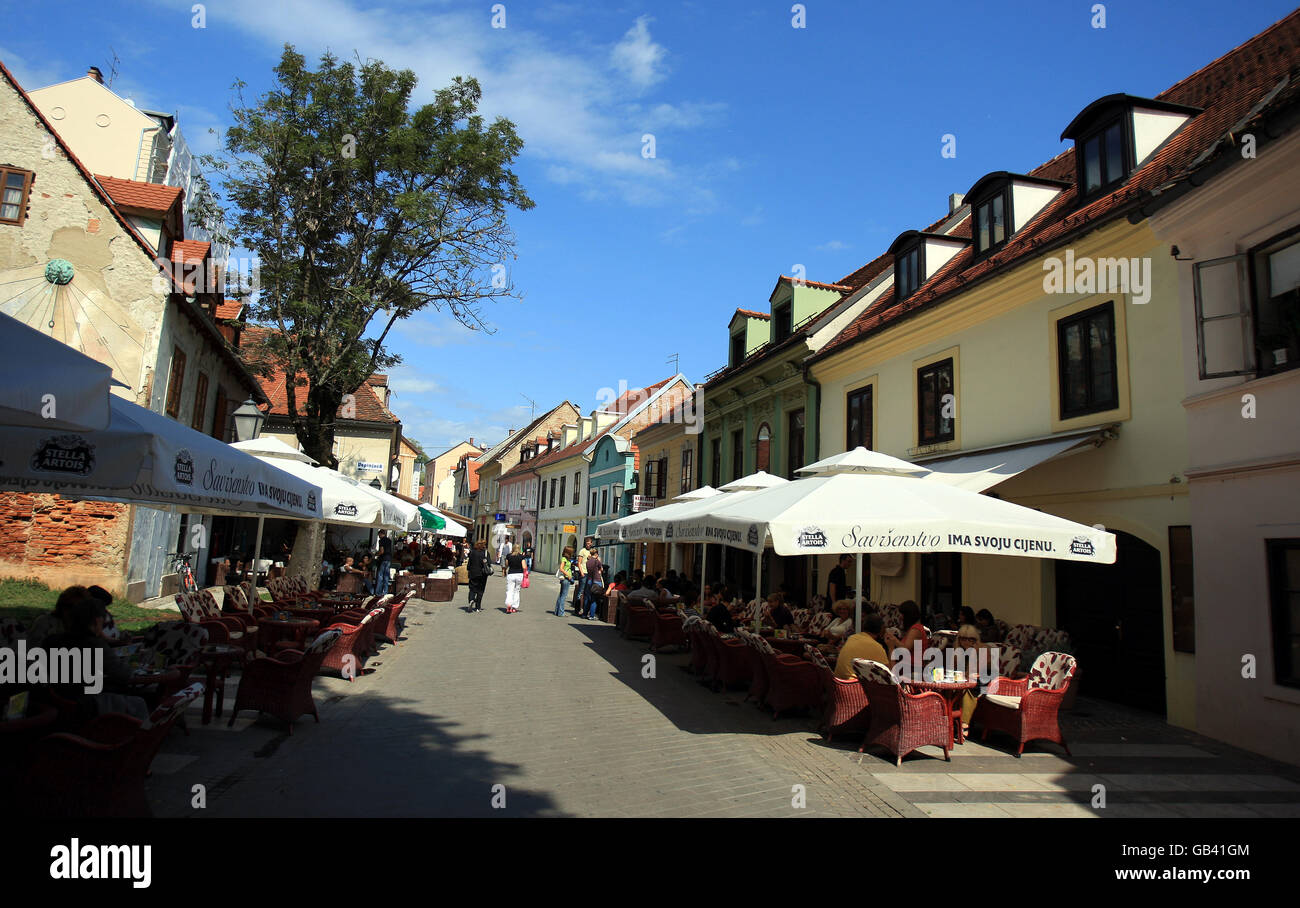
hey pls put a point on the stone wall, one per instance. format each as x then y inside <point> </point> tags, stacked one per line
<point>62,543</point>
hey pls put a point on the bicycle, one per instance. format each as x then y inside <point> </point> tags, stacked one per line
<point>181,565</point>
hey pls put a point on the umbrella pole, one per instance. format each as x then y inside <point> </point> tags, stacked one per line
<point>857,589</point>
<point>704,573</point>
<point>257,551</point>
<point>758,590</point>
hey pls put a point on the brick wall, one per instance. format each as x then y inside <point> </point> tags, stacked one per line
<point>62,543</point>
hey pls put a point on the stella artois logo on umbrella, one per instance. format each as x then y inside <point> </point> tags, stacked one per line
<point>311,501</point>
<point>1081,545</point>
<point>65,454</point>
<point>184,467</point>
<point>811,538</point>
<point>345,509</point>
<point>668,531</point>
<point>753,534</point>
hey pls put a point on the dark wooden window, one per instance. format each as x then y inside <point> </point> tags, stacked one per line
<point>991,222</point>
<point>715,461</point>
<point>562,490</point>
<point>857,421</point>
<point>577,491</point>
<point>1086,350</point>
<point>15,188</point>
<point>763,448</point>
<point>650,484</point>
<point>907,273</point>
<point>737,454</point>
<point>794,447</point>
<point>175,383</point>
<point>221,417</point>
<point>592,511</point>
<point>737,347</point>
<point>604,500</point>
<point>1182,589</point>
<point>200,402</point>
<point>1284,593</point>
<point>933,385</point>
<point>688,471</point>
<point>1103,158</point>
<point>1277,304</point>
<point>781,322</point>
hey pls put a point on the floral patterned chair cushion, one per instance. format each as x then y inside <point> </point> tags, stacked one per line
<point>1051,671</point>
<point>867,670</point>
<point>325,640</point>
<point>173,704</point>
<point>1008,660</point>
<point>236,598</point>
<point>178,642</point>
<point>814,655</point>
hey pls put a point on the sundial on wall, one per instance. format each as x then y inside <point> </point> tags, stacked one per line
<point>52,299</point>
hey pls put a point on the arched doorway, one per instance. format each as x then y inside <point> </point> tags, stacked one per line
<point>763,448</point>
<point>1114,614</point>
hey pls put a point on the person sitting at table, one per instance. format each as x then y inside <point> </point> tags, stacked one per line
<point>842,626</point>
<point>776,614</point>
<point>988,627</point>
<point>367,568</point>
<point>84,617</point>
<point>914,633</point>
<point>55,621</point>
<point>351,578</point>
<point>719,615</point>
<point>864,645</point>
<point>968,638</point>
<point>664,596</point>
<point>645,593</point>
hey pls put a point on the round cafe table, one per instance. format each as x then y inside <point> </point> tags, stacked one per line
<point>217,659</point>
<point>950,691</point>
<point>292,630</point>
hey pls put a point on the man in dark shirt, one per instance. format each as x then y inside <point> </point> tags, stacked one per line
<point>837,585</point>
<point>720,617</point>
<point>385,559</point>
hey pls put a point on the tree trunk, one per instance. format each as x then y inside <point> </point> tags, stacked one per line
<point>308,550</point>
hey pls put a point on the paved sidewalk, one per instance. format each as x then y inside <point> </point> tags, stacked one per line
<point>560,712</point>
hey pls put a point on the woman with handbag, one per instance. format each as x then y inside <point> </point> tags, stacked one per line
<point>479,570</point>
<point>515,573</point>
<point>565,576</point>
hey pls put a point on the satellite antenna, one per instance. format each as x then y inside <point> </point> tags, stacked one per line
<point>673,359</point>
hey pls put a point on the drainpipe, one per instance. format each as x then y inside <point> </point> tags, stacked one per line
<point>817,414</point>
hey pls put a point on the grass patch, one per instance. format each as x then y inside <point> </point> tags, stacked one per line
<point>27,600</point>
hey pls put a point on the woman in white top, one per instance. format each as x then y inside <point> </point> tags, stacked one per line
<point>842,626</point>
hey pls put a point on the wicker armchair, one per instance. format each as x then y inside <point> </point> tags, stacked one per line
<point>352,641</point>
<point>1027,708</point>
<point>793,683</point>
<point>899,721</point>
<point>758,680</point>
<point>699,645</point>
<point>178,642</point>
<point>100,771</point>
<point>710,637</point>
<point>733,668</point>
<point>668,630</point>
<point>201,608</point>
<point>387,627</point>
<point>638,618</point>
<point>281,685</point>
<point>236,603</point>
<point>846,701</point>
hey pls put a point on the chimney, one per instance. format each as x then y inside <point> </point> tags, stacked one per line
<point>954,202</point>
<point>95,74</point>
<point>471,441</point>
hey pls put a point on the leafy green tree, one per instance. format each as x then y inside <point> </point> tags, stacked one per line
<point>362,212</point>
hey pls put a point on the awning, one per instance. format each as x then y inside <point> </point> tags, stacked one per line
<point>984,469</point>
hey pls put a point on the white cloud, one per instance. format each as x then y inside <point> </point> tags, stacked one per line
<point>638,57</point>
<point>34,74</point>
<point>832,246</point>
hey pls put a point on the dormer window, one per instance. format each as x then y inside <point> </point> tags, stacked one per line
<point>1115,135</point>
<point>991,222</point>
<point>1103,160</point>
<point>907,272</point>
<point>781,322</point>
<point>737,348</point>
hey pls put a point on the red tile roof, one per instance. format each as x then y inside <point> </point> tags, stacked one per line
<point>367,400</point>
<point>751,313</point>
<point>229,309</point>
<point>187,251</point>
<point>133,194</point>
<point>838,288</point>
<point>471,470</point>
<point>632,398</point>
<point>1231,90</point>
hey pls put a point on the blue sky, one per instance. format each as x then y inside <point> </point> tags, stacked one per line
<point>775,146</point>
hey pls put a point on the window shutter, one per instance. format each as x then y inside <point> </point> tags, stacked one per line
<point>1224,334</point>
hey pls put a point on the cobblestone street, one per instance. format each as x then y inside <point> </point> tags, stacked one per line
<point>558,712</point>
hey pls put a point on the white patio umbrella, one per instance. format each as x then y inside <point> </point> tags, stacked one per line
<point>705,491</point>
<point>860,460</point>
<point>46,384</point>
<point>760,480</point>
<point>145,458</point>
<point>863,512</point>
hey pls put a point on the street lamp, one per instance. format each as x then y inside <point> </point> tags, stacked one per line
<point>376,484</point>
<point>248,421</point>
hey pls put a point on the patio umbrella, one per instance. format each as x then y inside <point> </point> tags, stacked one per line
<point>48,384</point>
<point>860,512</point>
<point>449,526</point>
<point>145,458</point>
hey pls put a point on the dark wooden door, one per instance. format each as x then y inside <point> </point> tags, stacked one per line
<point>1114,615</point>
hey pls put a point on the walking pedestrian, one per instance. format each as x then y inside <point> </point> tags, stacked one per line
<point>385,560</point>
<point>514,580</point>
<point>580,592</point>
<point>528,555</point>
<point>565,575</point>
<point>479,569</point>
<point>595,585</point>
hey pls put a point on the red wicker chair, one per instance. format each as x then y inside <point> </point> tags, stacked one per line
<point>353,641</point>
<point>236,604</point>
<point>201,608</point>
<point>638,618</point>
<point>699,646</point>
<point>100,771</point>
<point>793,683</point>
<point>1027,708</point>
<point>709,636</point>
<point>668,630</point>
<point>388,628</point>
<point>281,685</point>
<point>178,642</point>
<point>846,709</point>
<point>759,682</point>
<point>900,721</point>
